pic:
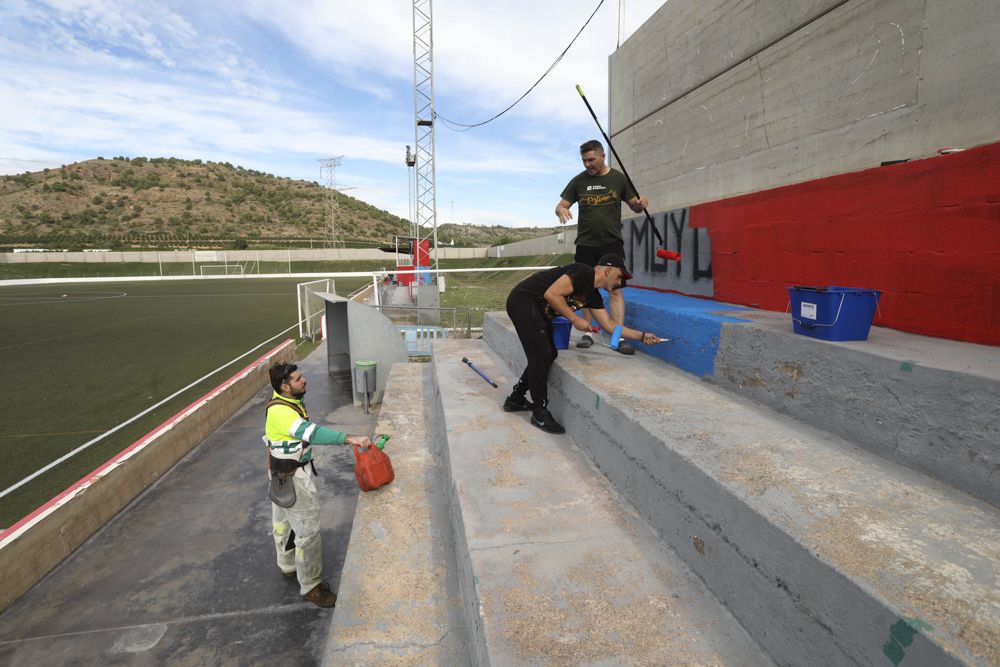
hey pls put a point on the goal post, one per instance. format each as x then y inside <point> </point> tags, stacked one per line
<point>221,269</point>
<point>311,307</point>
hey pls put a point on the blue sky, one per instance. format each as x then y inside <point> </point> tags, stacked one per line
<point>277,86</point>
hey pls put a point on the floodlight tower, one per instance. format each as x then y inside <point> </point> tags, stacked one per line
<point>425,218</point>
<point>411,163</point>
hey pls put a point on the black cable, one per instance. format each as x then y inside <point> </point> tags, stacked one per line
<point>467,126</point>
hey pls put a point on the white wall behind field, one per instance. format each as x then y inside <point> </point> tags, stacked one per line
<point>227,256</point>
<point>556,244</point>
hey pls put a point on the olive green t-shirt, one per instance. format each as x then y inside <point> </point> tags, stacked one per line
<point>600,197</point>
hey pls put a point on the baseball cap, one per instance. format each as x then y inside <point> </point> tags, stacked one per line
<point>616,261</point>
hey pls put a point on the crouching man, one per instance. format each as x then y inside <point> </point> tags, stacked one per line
<point>289,436</point>
<point>536,301</point>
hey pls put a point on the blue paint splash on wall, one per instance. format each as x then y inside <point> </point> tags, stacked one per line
<point>693,325</point>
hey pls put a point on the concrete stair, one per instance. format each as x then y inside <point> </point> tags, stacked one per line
<point>927,403</point>
<point>398,601</point>
<point>680,522</point>
<point>826,553</point>
<point>554,567</point>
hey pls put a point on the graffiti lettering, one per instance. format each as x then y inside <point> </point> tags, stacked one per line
<point>693,274</point>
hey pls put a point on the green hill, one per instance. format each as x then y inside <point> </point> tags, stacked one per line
<point>170,203</point>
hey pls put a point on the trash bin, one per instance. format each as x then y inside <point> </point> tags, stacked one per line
<point>365,378</point>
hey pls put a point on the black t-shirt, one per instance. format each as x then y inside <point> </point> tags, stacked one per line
<point>584,295</point>
<point>600,206</point>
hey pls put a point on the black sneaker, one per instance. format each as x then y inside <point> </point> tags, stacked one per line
<point>585,341</point>
<point>515,403</point>
<point>625,348</point>
<point>543,419</point>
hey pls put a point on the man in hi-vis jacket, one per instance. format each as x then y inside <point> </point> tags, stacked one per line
<point>289,436</point>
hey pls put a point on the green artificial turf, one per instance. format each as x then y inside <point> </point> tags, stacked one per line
<point>79,365</point>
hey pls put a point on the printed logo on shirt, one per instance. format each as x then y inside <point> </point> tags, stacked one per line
<point>597,200</point>
<point>596,187</point>
<point>575,303</point>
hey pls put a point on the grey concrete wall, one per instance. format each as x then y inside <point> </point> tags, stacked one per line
<point>718,98</point>
<point>228,256</point>
<point>559,243</point>
<point>918,401</point>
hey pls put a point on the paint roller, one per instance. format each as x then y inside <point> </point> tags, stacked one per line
<point>661,253</point>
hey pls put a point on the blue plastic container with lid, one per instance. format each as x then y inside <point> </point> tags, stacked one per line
<point>560,332</point>
<point>833,313</point>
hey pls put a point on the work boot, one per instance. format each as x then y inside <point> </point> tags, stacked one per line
<point>543,419</point>
<point>321,596</point>
<point>626,348</point>
<point>517,402</point>
<point>585,341</point>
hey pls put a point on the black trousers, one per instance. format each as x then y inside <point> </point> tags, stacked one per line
<point>590,255</point>
<point>535,333</point>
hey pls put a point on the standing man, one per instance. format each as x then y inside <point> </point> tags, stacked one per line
<point>295,522</point>
<point>532,305</point>
<point>599,190</point>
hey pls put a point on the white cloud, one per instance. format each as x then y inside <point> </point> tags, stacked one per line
<point>486,54</point>
<point>276,85</point>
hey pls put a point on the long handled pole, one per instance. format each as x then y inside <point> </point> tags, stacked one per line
<point>469,364</point>
<point>666,253</point>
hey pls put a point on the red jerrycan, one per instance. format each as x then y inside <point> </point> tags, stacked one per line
<point>372,466</point>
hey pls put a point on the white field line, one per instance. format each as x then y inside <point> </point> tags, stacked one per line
<point>125,423</point>
<point>343,274</point>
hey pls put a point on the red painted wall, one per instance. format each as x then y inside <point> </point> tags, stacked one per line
<point>926,233</point>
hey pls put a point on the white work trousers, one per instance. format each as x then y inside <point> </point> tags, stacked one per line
<point>303,517</point>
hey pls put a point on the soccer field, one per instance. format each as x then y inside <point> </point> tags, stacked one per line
<point>82,358</point>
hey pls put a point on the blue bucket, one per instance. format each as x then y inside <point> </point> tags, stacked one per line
<point>560,333</point>
<point>833,313</point>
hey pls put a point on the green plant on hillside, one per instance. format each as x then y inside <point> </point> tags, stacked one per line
<point>150,195</point>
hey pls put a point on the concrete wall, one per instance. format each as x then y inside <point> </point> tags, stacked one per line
<point>712,99</point>
<point>557,244</point>
<point>33,546</point>
<point>228,256</point>
<point>767,124</point>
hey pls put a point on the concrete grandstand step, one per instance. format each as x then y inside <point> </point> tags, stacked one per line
<point>554,567</point>
<point>928,403</point>
<point>826,553</point>
<point>398,600</point>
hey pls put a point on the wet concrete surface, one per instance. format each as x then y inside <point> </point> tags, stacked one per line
<point>186,574</point>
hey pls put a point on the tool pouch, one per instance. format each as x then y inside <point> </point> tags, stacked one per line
<point>281,489</point>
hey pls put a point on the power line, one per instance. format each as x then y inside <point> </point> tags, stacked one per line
<point>467,126</point>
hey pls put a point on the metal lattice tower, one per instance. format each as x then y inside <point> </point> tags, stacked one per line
<point>329,167</point>
<point>425,218</point>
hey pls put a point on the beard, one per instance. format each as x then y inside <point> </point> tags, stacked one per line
<point>299,396</point>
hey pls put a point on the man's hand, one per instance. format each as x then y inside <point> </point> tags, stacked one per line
<point>359,440</point>
<point>581,324</point>
<point>652,339</point>
<point>637,204</point>
<point>563,212</point>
